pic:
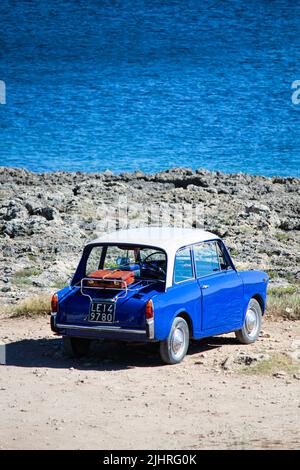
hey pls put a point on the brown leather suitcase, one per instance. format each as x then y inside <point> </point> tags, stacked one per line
<point>111,278</point>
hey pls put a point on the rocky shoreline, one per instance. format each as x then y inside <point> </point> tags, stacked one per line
<point>45,219</point>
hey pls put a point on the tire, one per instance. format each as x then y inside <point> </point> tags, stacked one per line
<point>75,347</point>
<point>174,348</point>
<point>252,324</point>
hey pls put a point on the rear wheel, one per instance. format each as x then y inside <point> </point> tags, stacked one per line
<point>75,347</point>
<point>252,324</point>
<point>174,348</point>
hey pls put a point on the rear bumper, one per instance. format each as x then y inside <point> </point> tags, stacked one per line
<point>53,323</point>
<point>98,331</point>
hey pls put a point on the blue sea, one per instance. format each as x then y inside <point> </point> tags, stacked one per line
<point>127,85</point>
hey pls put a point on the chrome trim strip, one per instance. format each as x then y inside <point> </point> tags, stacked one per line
<point>99,328</point>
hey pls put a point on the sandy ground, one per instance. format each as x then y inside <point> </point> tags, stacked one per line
<point>122,397</point>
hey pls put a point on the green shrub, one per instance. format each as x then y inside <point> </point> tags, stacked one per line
<point>281,236</point>
<point>23,277</point>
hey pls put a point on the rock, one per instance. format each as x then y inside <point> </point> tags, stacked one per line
<point>295,344</point>
<point>223,190</point>
<point>108,173</point>
<point>16,228</point>
<point>14,210</point>
<point>243,359</point>
<point>274,220</point>
<point>6,289</point>
<point>290,224</point>
<point>263,334</point>
<point>289,310</point>
<point>77,190</point>
<point>248,359</point>
<point>228,364</point>
<point>8,251</point>
<point>257,208</point>
<point>280,375</point>
<point>47,212</point>
<point>295,355</point>
<point>279,180</point>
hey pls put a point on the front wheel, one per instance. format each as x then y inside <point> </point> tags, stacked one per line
<point>75,347</point>
<point>252,324</point>
<point>174,348</point>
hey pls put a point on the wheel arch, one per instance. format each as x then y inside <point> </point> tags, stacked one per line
<point>261,302</point>
<point>184,314</point>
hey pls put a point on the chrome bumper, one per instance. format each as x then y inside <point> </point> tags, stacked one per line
<point>116,329</point>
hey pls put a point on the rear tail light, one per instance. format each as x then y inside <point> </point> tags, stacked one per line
<point>54,303</point>
<point>149,310</point>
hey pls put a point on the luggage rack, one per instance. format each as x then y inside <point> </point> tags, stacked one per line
<point>123,290</point>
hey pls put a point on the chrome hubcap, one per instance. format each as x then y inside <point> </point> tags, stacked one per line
<point>178,342</point>
<point>251,322</point>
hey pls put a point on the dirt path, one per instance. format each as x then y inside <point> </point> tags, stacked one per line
<point>122,397</point>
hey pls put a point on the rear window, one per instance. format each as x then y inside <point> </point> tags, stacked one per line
<point>146,262</point>
<point>183,268</point>
<point>94,260</point>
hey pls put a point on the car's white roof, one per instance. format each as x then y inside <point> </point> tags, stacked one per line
<point>166,238</point>
<point>169,239</point>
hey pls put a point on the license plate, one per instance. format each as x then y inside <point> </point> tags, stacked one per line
<point>103,312</point>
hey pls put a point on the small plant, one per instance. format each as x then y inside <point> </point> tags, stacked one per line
<point>271,274</point>
<point>22,277</point>
<point>290,277</point>
<point>282,291</point>
<point>281,236</point>
<point>60,284</point>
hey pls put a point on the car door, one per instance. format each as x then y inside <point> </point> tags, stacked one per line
<point>220,285</point>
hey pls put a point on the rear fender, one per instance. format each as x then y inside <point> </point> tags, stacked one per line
<point>255,286</point>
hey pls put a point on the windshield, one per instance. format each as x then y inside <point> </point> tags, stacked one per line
<point>145,262</point>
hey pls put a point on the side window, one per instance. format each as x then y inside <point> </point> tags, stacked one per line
<point>206,258</point>
<point>183,269</point>
<point>224,263</point>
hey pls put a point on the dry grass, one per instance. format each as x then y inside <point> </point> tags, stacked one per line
<point>278,362</point>
<point>32,306</point>
<point>284,302</point>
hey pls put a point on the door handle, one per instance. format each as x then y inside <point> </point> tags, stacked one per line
<point>205,286</point>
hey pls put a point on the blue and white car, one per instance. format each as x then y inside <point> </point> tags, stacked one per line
<point>158,284</point>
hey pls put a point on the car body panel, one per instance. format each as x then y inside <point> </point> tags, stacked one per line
<point>255,285</point>
<point>222,299</point>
